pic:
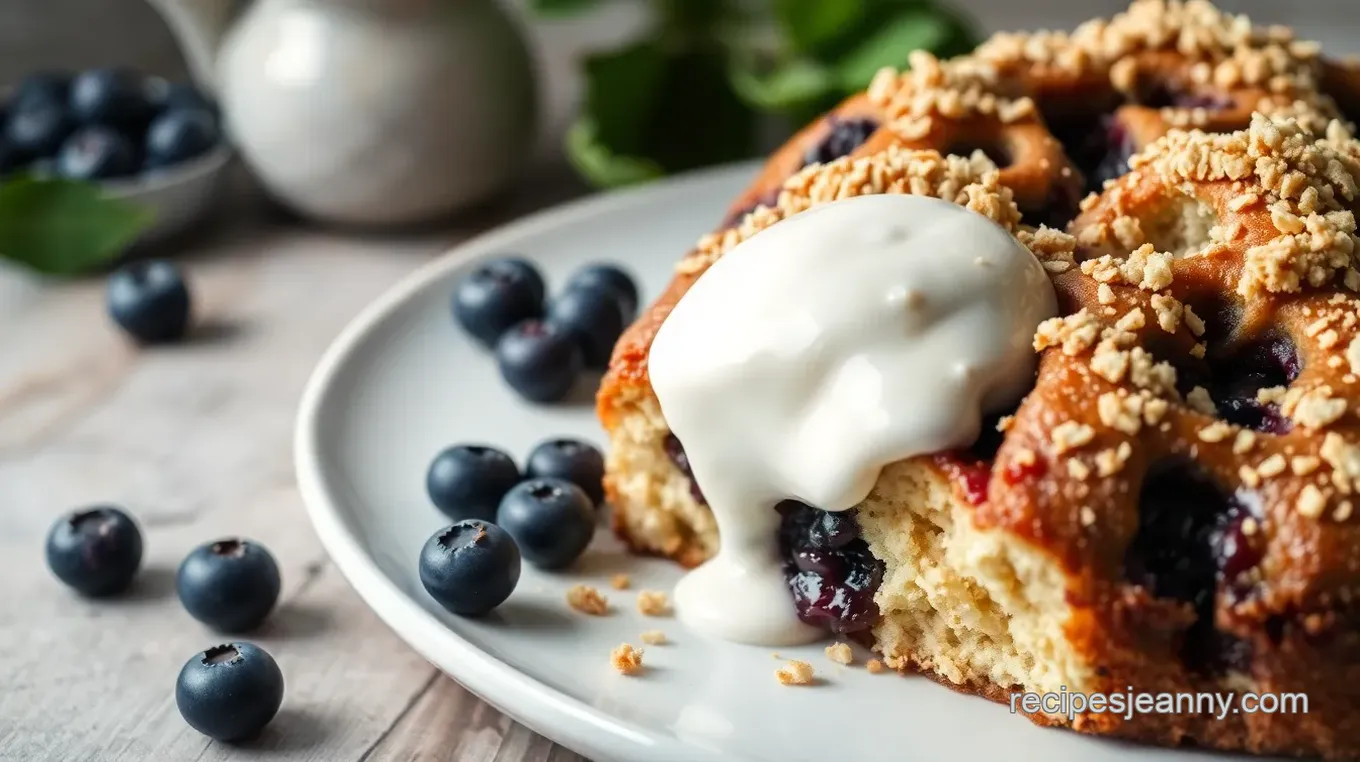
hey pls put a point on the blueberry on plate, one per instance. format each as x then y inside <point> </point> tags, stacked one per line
<point>468,481</point>
<point>112,97</point>
<point>42,87</point>
<point>229,692</point>
<point>613,278</point>
<point>230,585</point>
<point>180,135</point>
<point>471,567</point>
<point>552,521</point>
<point>575,461</point>
<point>539,360</point>
<point>150,301</point>
<point>37,129</point>
<point>495,296</point>
<point>96,153</point>
<point>594,315</point>
<point>96,551</point>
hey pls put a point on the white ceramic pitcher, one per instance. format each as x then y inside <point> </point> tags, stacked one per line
<point>367,112</point>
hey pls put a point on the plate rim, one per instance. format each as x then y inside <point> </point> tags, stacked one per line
<point>541,707</point>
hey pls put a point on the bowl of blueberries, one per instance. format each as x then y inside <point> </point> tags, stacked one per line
<point>142,139</point>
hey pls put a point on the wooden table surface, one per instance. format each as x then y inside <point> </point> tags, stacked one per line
<point>196,441</point>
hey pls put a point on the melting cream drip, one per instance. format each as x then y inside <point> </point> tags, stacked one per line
<point>821,349</point>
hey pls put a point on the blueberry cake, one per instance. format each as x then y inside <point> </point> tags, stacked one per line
<point>1170,507</point>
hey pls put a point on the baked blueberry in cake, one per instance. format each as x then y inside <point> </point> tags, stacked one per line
<point>1161,496</point>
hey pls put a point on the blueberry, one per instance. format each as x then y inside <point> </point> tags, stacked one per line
<point>230,585</point>
<point>843,137</point>
<point>613,278</point>
<point>183,96</point>
<point>42,87</point>
<point>150,301</point>
<point>229,692</point>
<point>37,129</point>
<point>471,567</point>
<point>177,136</point>
<point>112,97</point>
<point>539,360</point>
<point>96,551</point>
<point>96,153</point>
<point>495,296</point>
<point>595,316</point>
<point>552,521</point>
<point>572,460</point>
<point>468,481</point>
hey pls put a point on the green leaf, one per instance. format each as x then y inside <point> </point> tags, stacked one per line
<point>812,25</point>
<point>561,8</point>
<point>599,165</point>
<point>65,227</point>
<point>651,110</point>
<point>910,30</point>
<point>791,86</point>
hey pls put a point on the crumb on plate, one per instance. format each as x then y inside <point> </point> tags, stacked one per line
<point>840,653</point>
<point>654,637</point>
<point>620,582</point>
<point>653,603</point>
<point>795,673</point>
<point>626,659</point>
<point>587,600</point>
<point>874,666</point>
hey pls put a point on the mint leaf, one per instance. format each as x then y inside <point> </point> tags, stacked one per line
<point>651,109</point>
<point>559,8</point>
<point>65,227</point>
<point>911,29</point>
<point>599,165</point>
<point>813,25</point>
<point>794,85</point>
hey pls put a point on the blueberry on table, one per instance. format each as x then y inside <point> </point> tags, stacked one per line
<point>38,129</point>
<point>539,360</point>
<point>613,278</point>
<point>112,97</point>
<point>470,567</point>
<point>552,521</point>
<point>95,551</point>
<point>42,87</point>
<point>595,316</point>
<point>495,296</point>
<point>150,301</point>
<point>230,585</point>
<point>468,481</point>
<point>96,153</point>
<point>229,692</point>
<point>572,460</point>
<point>180,135</point>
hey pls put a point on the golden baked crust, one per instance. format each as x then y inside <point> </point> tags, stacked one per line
<point>1222,258</point>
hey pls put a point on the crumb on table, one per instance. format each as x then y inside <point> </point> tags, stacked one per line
<point>587,600</point>
<point>620,582</point>
<point>653,603</point>
<point>874,666</point>
<point>795,673</point>
<point>654,637</point>
<point>626,659</point>
<point>840,653</point>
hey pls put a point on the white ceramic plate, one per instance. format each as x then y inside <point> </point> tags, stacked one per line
<point>402,382</point>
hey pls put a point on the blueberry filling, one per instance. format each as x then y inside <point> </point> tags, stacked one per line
<point>844,136</point>
<point>1192,542</point>
<point>676,452</point>
<point>1164,95</point>
<point>1238,377</point>
<point>830,571</point>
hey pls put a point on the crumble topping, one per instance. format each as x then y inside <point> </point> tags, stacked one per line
<point>840,653</point>
<point>653,603</point>
<point>653,637</point>
<point>1311,502</point>
<point>1071,435</point>
<point>620,582</point>
<point>587,600</point>
<point>874,666</point>
<point>795,673</point>
<point>626,659</point>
